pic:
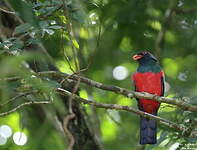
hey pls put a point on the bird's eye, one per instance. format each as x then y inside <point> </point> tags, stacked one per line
<point>144,53</point>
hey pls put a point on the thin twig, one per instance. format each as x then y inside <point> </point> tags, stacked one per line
<point>7,11</point>
<point>160,37</point>
<point>66,130</point>
<point>70,34</point>
<point>18,96</point>
<point>65,55</point>
<point>71,115</point>
<point>99,35</point>
<point>23,104</point>
<point>97,44</point>
<point>10,79</point>
<point>71,97</point>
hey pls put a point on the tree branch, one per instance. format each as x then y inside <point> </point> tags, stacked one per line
<point>186,10</point>
<point>167,123</point>
<point>179,102</point>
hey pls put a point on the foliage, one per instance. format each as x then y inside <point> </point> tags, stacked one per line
<point>104,34</point>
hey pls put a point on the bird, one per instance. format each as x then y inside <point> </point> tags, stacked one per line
<point>149,78</point>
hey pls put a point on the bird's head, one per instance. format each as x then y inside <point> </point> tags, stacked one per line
<point>144,57</point>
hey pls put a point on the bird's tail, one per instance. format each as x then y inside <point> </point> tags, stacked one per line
<point>148,131</point>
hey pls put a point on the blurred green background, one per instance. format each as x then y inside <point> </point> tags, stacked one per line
<point>104,34</point>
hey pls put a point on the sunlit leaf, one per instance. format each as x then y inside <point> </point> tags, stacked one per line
<point>75,43</point>
<point>109,130</point>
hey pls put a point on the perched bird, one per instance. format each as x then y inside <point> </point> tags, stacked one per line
<point>148,78</point>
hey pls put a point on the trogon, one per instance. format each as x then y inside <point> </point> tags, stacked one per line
<point>148,78</point>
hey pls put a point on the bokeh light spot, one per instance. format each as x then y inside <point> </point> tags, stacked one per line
<point>3,140</point>
<point>5,131</point>
<point>19,138</point>
<point>182,76</point>
<point>120,73</point>
<point>155,25</point>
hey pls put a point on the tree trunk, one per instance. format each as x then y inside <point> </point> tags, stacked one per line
<point>78,126</point>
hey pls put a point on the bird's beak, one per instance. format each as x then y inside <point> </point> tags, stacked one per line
<point>137,57</point>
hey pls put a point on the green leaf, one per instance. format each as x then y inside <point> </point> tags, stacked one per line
<point>15,45</point>
<point>75,43</point>
<point>43,24</point>
<point>22,28</point>
<point>55,27</point>
<point>33,41</point>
